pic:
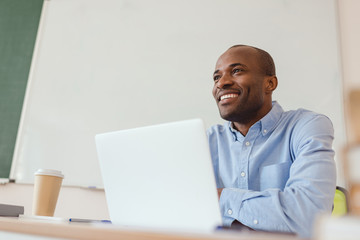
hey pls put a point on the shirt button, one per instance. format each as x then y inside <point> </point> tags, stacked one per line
<point>229,211</point>
<point>265,131</point>
<point>247,143</point>
<point>242,174</point>
<point>256,221</point>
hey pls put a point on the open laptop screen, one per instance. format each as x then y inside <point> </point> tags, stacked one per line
<point>160,177</point>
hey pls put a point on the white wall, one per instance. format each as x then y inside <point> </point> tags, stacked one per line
<point>77,202</point>
<point>120,64</point>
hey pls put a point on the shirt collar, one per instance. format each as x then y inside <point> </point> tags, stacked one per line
<point>235,133</point>
<point>268,122</point>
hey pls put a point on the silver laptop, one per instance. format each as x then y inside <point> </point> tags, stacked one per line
<point>160,177</point>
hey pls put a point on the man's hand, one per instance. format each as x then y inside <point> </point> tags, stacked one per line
<point>219,190</point>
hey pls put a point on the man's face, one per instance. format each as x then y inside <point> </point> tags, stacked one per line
<point>239,85</point>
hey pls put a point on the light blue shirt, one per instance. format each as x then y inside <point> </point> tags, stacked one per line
<point>280,175</point>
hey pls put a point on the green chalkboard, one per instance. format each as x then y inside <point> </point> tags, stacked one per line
<point>19,21</point>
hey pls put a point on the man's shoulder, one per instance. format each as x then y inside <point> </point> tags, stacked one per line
<point>217,128</point>
<point>292,118</point>
<point>302,115</point>
<point>304,119</point>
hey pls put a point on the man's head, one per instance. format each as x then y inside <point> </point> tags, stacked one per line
<point>244,80</point>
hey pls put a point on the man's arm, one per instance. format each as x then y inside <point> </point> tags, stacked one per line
<point>309,190</point>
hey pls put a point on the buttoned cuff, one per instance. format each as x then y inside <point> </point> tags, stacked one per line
<point>230,204</point>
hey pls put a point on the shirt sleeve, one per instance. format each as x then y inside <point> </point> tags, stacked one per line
<point>309,190</point>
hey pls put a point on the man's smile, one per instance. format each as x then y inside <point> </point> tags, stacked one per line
<point>230,95</point>
<point>224,96</point>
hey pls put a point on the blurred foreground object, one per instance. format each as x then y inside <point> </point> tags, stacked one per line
<point>352,153</point>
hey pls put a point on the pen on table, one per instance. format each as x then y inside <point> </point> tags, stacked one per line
<point>88,220</point>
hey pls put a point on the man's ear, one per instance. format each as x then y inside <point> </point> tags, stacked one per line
<point>270,84</point>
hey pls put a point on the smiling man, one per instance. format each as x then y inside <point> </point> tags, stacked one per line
<point>274,169</point>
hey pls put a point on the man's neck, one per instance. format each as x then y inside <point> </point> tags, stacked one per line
<point>244,126</point>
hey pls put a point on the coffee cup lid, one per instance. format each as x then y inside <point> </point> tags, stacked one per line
<point>49,172</point>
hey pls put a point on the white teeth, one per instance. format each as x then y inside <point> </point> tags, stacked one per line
<point>232,95</point>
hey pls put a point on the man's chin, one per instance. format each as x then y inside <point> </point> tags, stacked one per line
<point>233,116</point>
<point>228,116</point>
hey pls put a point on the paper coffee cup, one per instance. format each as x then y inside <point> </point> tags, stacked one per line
<point>46,191</point>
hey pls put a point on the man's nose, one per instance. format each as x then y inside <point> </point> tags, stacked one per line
<point>224,81</point>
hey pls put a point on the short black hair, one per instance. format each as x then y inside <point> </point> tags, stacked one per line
<point>265,60</point>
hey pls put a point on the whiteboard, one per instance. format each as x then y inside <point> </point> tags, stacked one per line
<point>105,65</point>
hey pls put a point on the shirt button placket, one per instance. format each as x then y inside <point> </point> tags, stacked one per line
<point>244,165</point>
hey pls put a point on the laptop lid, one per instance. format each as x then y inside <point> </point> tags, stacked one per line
<point>160,177</point>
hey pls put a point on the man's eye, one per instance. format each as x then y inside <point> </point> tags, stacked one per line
<point>216,78</point>
<point>236,70</point>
